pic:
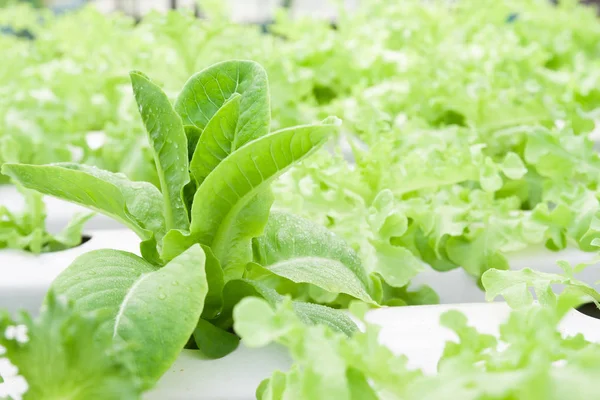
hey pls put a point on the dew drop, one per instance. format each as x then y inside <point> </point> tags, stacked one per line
<point>162,296</point>
<point>175,283</point>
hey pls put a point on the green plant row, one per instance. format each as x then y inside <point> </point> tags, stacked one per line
<point>218,265</point>
<point>497,105</point>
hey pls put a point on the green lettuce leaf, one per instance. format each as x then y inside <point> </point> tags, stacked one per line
<point>83,365</point>
<point>219,211</point>
<point>530,359</point>
<point>217,140</point>
<point>138,205</point>
<point>172,297</point>
<point>303,252</point>
<point>206,92</point>
<point>168,140</point>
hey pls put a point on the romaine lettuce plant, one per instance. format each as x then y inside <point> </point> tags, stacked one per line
<point>203,247</point>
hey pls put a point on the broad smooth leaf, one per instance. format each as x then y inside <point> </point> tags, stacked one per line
<point>135,204</point>
<point>152,310</point>
<point>214,342</point>
<point>304,252</point>
<point>169,142</point>
<point>249,223</point>
<point>217,140</point>
<point>214,277</point>
<point>206,92</point>
<point>239,178</point>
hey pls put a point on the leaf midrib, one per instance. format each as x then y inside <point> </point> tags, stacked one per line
<point>126,300</point>
<point>226,224</point>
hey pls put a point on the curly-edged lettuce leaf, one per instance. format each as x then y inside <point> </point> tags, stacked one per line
<point>514,286</point>
<point>328,364</point>
<point>471,207</point>
<point>59,354</point>
<point>492,153</point>
<point>530,359</point>
<point>26,229</point>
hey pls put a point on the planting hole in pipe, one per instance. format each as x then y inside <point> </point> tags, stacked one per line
<point>590,309</point>
<point>57,247</point>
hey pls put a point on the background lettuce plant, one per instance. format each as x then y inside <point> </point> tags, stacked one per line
<point>26,229</point>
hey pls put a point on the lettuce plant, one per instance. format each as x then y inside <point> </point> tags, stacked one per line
<point>26,229</point>
<point>83,365</point>
<point>203,247</point>
<point>530,359</point>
